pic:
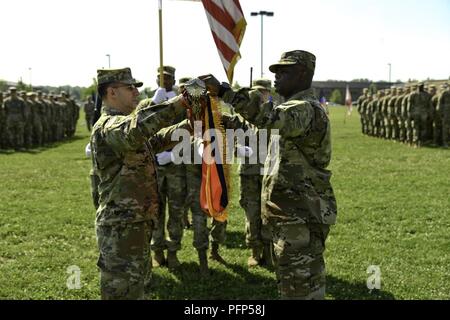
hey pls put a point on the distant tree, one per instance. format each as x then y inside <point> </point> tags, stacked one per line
<point>22,86</point>
<point>3,85</point>
<point>360,80</point>
<point>336,97</point>
<point>89,91</point>
<point>236,86</point>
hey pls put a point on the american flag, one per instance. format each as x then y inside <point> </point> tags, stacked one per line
<point>227,23</point>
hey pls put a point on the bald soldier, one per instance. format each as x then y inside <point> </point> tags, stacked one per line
<point>124,185</point>
<point>298,202</point>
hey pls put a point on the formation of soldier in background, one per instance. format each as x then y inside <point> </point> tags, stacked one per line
<point>415,115</point>
<point>33,119</point>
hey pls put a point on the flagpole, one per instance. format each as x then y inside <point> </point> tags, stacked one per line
<point>161,71</point>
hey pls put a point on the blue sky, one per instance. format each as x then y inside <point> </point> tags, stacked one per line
<point>65,41</point>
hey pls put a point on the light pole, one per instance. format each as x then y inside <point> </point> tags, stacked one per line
<point>389,71</point>
<point>31,86</point>
<point>109,61</point>
<point>262,14</point>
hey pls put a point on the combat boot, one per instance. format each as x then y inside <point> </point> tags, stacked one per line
<point>172,260</point>
<point>203,263</point>
<point>267,256</point>
<point>158,259</point>
<point>214,255</point>
<point>255,259</point>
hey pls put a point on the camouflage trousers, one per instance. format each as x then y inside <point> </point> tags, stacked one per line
<point>202,234</point>
<point>37,133</point>
<point>299,252</point>
<point>256,234</point>
<point>402,136</point>
<point>28,135</point>
<point>395,129</point>
<point>172,191</point>
<point>445,126</point>
<point>88,118</point>
<point>124,260</point>
<point>437,129</point>
<point>15,132</point>
<point>419,127</point>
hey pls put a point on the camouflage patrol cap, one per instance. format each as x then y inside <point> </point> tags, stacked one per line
<point>184,80</point>
<point>290,58</point>
<point>365,90</point>
<point>262,84</point>
<point>12,89</point>
<point>105,76</point>
<point>168,70</point>
<point>31,94</point>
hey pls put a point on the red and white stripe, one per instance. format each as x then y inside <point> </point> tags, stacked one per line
<point>227,23</point>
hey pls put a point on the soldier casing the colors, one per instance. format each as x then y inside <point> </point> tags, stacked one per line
<point>124,184</point>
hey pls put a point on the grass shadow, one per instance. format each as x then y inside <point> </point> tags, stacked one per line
<point>343,290</point>
<point>228,282</point>
<point>40,149</point>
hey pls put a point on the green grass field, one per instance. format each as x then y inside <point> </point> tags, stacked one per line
<point>393,212</point>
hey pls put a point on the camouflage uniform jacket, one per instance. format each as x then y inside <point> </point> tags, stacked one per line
<point>296,185</point>
<point>124,180</point>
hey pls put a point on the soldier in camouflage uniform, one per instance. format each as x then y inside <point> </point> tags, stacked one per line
<point>89,112</point>
<point>384,103</point>
<point>257,235</point>
<point>443,107</point>
<point>360,108</point>
<point>54,118</point>
<point>419,105</point>
<point>67,114</point>
<point>392,121</point>
<point>186,221</point>
<point>42,107</point>
<point>298,201</point>
<point>435,118</point>
<point>2,123</point>
<point>124,185</point>
<point>35,119</point>
<point>401,111</point>
<point>28,124</point>
<point>15,119</point>
<point>378,114</point>
<point>171,186</point>
<point>365,114</point>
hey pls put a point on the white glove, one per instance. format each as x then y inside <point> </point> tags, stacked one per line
<point>87,150</point>
<point>160,96</point>
<point>164,158</point>
<point>198,146</point>
<point>244,151</point>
